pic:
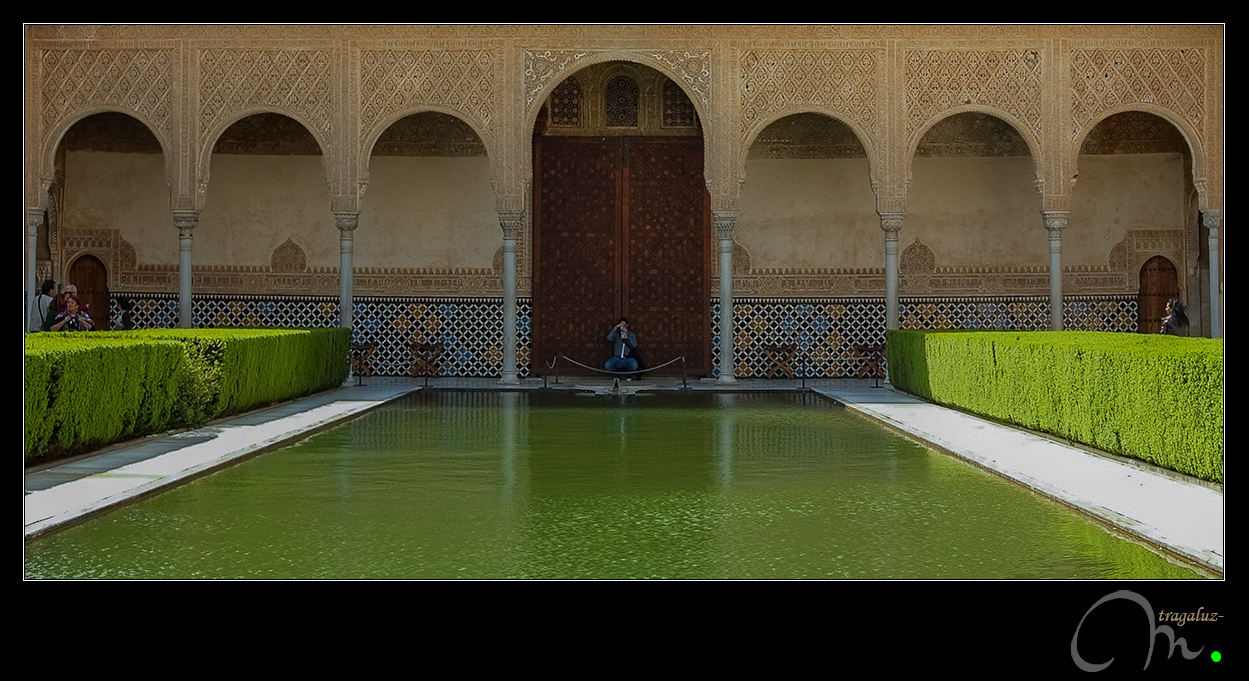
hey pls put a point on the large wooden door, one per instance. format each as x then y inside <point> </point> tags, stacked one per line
<point>621,228</point>
<point>1159,283</point>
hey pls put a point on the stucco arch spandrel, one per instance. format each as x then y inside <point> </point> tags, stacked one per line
<point>57,133</point>
<point>1034,144</point>
<point>545,69</point>
<point>369,140</point>
<point>1130,254</point>
<point>204,161</point>
<point>1186,131</point>
<point>874,162</point>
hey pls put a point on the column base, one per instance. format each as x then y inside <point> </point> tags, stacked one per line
<point>509,378</point>
<point>726,379</point>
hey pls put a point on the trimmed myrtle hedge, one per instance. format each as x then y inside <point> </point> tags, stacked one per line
<point>1151,397</point>
<point>85,390</point>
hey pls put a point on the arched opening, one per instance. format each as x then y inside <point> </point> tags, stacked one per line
<point>975,251</point>
<point>265,228</point>
<point>429,221</point>
<point>1134,199</point>
<point>90,277</point>
<point>621,219</point>
<point>108,196</point>
<point>1159,283</point>
<point>807,207</point>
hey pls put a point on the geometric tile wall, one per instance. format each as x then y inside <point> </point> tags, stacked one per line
<point>825,330</point>
<point>469,328</point>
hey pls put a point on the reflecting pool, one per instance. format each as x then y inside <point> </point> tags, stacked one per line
<point>462,484</point>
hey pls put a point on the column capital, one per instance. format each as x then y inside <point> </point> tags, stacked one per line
<point>511,222</point>
<point>891,223</point>
<point>1055,220</point>
<point>725,222</point>
<point>185,221</point>
<point>34,218</point>
<point>1210,219</point>
<point>346,220</point>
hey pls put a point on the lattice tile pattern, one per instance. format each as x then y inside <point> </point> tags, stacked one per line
<point>827,329</point>
<point>824,329</point>
<point>470,328</point>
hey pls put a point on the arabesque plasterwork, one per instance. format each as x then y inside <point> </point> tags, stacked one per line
<point>343,82</point>
<point>135,80</point>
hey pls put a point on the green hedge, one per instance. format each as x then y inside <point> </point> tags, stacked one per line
<point>85,390</point>
<point>1155,398</point>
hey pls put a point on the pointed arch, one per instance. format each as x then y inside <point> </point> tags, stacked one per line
<point>371,136</point>
<point>57,133</point>
<point>540,96</point>
<point>204,160</point>
<point>748,140</point>
<point>1196,153</point>
<point>1034,144</point>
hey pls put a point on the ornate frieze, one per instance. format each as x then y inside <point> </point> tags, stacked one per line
<point>1103,79</point>
<point>137,80</point>
<point>398,80</point>
<point>1007,80</point>
<point>233,80</point>
<point>837,81</point>
<point>691,67</point>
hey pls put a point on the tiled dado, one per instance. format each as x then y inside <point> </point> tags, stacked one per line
<point>825,330</point>
<point>471,329</point>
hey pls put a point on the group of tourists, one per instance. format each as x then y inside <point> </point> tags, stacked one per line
<point>66,311</point>
<point>59,311</point>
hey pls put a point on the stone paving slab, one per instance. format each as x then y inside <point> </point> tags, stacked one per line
<point>1182,516</point>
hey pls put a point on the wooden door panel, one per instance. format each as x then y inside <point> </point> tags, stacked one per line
<point>576,239</point>
<point>1159,283</point>
<point>666,258</point>
<point>621,227</point>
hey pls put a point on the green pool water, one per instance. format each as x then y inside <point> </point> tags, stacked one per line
<point>446,484</point>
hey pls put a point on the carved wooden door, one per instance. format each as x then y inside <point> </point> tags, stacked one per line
<point>1159,283</point>
<point>621,228</point>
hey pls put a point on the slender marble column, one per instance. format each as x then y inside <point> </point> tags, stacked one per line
<point>185,221</point>
<point>726,222</point>
<point>346,221</point>
<point>1055,221</point>
<point>34,218</point>
<point>511,222</point>
<point>1211,220</point>
<point>891,223</point>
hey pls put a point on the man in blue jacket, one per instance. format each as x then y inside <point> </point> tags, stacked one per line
<point>625,342</point>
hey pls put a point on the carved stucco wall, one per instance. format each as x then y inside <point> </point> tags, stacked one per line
<point>888,83</point>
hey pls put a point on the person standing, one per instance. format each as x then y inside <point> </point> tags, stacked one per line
<point>1176,320</point>
<point>39,313</point>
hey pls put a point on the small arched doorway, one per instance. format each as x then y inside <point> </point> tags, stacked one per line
<point>88,274</point>
<point>1159,283</point>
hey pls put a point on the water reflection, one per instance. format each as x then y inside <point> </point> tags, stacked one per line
<point>496,485</point>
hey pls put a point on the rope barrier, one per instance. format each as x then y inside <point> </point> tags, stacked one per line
<point>617,373</point>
